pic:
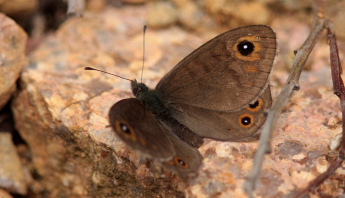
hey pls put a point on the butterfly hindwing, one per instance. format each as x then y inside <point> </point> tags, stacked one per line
<point>139,128</point>
<point>241,125</point>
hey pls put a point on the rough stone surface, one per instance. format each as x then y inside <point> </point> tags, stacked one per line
<point>12,60</point>
<point>161,14</point>
<point>14,7</point>
<point>12,177</point>
<point>4,194</point>
<point>61,112</point>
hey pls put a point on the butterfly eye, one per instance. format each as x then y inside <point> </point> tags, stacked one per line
<point>256,106</point>
<point>246,120</point>
<point>179,161</point>
<point>245,47</point>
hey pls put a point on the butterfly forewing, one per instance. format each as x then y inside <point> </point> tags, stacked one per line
<point>226,73</point>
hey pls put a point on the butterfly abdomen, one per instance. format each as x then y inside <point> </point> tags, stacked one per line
<point>183,132</point>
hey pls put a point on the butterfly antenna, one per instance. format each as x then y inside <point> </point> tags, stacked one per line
<point>90,68</point>
<point>142,68</point>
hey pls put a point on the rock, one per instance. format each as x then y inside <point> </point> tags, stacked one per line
<point>12,177</point>
<point>252,12</point>
<point>190,15</point>
<point>12,60</point>
<point>296,5</point>
<point>52,113</point>
<point>161,14</point>
<point>238,13</point>
<point>134,1</point>
<point>76,7</point>
<point>96,5</point>
<point>4,194</point>
<point>16,7</point>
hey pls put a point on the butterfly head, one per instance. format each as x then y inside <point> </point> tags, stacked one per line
<point>138,88</point>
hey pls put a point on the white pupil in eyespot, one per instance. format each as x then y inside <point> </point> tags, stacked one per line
<point>245,46</point>
<point>124,128</point>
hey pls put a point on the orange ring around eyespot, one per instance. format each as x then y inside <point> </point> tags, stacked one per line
<point>251,120</point>
<point>132,136</point>
<point>255,39</point>
<point>257,108</point>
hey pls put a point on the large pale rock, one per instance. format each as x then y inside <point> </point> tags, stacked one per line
<point>61,112</point>
<point>12,60</point>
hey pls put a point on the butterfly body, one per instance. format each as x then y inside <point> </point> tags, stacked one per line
<point>151,99</point>
<point>220,91</point>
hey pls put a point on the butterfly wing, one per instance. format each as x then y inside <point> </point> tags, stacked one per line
<point>226,73</point>
<point>241,125</point>
<point>187,159</point>
<point>140,129</point>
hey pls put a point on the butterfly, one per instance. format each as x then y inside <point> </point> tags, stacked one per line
<point>220,91</point>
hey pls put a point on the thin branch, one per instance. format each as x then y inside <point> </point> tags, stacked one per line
<point>291,86</point>
<point>339,90</point>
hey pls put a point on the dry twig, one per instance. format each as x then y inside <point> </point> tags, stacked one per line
<point>339,90</point>
<point>291,86</point>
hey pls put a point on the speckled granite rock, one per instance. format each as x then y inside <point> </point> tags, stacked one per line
<point>62,111</point>
<point>13,41</point>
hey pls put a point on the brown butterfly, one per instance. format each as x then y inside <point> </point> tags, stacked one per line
<point>219,91</point>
